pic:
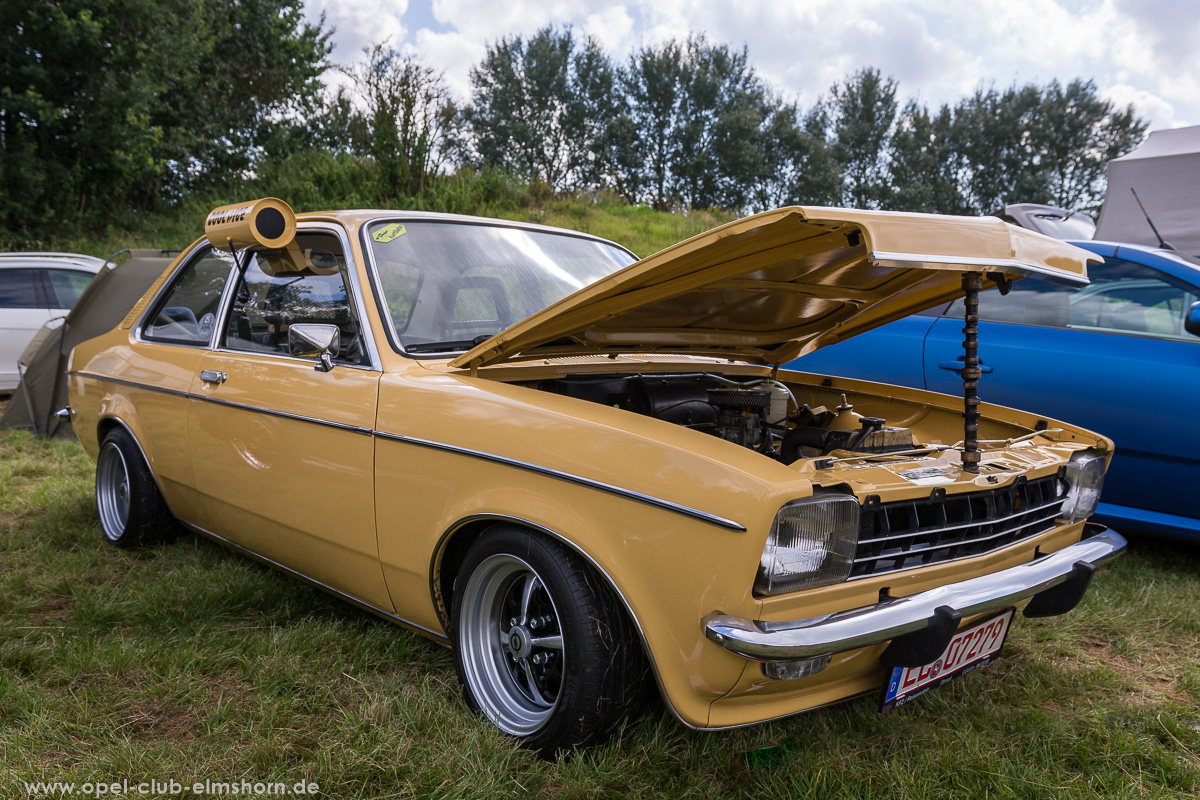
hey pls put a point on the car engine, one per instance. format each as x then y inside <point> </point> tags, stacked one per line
<point>760,413</point>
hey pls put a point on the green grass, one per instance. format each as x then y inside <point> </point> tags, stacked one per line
<point>188,662</point>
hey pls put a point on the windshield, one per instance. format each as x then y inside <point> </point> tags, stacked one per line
<point>448,286</point>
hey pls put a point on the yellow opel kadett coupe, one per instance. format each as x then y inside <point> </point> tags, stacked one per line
<point>587,473</point>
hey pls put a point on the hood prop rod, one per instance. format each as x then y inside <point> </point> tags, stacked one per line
<point>972,284</point>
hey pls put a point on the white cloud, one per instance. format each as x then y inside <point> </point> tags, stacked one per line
<point>360,23</point>
<point>1139,51</point>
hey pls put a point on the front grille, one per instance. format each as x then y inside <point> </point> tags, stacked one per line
<point>916,533</point>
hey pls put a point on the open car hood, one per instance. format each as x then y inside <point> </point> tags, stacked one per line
<point>780,284</point>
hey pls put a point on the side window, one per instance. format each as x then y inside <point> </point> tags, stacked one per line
<point>17,289</point>
<point>67,285</point>
<point>305,285</point>
<point>188,311</point>
<point>1131,298</point>
<point>1123,297</point>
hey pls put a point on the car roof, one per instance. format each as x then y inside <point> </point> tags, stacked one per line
<point>1181,265</point>
<point>55,260</point>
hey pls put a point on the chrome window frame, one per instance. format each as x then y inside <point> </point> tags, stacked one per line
<point>354,290</point>
<point>389,325</point>
<point>139,328</point>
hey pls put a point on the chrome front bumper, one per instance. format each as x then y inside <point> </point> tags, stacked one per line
<point>923,617</point>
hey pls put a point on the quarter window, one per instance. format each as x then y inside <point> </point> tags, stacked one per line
<point>302,285</point>
<point>188,313</point>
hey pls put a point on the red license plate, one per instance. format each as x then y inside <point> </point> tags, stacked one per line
<point>969,649</point>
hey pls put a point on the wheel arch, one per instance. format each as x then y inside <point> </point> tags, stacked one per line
<point>108,422</point>
<point>452,547</point>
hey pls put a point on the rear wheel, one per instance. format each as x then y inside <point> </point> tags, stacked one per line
<point>132,512</point>
<point>543,647</point>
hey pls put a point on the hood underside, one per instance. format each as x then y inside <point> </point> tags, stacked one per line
<point>777,285</point>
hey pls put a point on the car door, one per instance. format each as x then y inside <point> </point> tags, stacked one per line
<point>1112,357</point>
<point>892,353</point>
<point>283,452</point>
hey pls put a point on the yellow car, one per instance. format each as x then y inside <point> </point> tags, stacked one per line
<point>587,473</point>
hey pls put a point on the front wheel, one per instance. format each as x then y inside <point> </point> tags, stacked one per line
<point>543,647</point>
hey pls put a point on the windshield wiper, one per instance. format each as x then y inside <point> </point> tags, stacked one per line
<point>451,346</point>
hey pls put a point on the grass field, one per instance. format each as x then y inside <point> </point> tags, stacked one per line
<point>188,663</point>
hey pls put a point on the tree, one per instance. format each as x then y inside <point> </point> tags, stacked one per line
<point>1078,135</point>
<point>408,121</point>
<point>108,105</point>
<point>653,83</point>
<point>540,108</point>
<point>798,167</point>
<point>925,169</point>
<point>863,109</point>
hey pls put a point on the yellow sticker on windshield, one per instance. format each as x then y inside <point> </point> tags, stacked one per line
<point>388,233</point>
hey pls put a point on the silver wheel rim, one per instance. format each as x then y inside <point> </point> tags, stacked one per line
<point>112,491</point>
<point>511,644</point>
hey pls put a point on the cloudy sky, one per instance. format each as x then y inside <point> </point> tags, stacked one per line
<point>1144,52</point>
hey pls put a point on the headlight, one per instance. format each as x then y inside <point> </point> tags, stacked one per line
<point>811,544</point>
<point>1085,478</point>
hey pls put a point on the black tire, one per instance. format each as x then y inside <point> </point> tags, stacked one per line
<point>132,511</point>
<point>550,698</point>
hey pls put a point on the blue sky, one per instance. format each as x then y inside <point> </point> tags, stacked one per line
<point>1144,52</point>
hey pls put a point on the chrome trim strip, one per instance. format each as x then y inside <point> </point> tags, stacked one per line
<point>570,478</point>
<point>123,382</point>
<point>341,426</point>
<point>229,403</point>
<point>871,625</point>
<point>414,627</point>
<point>903,260</point>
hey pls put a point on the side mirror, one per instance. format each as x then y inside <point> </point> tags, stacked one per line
<point>1191,323</point>
<point>321,342</point>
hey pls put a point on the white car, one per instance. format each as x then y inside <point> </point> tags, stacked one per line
<point>35,288</point>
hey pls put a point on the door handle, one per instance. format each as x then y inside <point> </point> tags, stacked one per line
<point>212,376</point>
<point>956,366</point>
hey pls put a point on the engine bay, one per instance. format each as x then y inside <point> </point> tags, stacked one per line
<point>761,414</point>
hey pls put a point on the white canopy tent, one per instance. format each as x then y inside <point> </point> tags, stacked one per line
<point>1165,172</point>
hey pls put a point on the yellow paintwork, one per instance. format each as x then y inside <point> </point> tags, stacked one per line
<point>302,495</point>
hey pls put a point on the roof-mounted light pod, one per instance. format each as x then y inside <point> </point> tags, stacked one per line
<point>268,222</point>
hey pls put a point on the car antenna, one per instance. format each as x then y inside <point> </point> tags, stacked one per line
<point>1161,242</point>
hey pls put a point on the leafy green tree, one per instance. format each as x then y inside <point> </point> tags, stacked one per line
<point>997,134</point>
<point>799,166</point>
<point>407,124</point>
<point>654,85</point>
<point>925,168</point>
<point>1079,133</point>
<point>108,105</point>
<point>540,108</point>
<point>863,110</point>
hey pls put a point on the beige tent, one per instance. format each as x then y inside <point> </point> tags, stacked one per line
<point>102,305</point>
<point>1165,172</point>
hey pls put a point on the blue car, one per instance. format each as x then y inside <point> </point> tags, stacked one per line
<point>1120,356</point>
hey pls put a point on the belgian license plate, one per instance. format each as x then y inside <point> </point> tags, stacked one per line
<point>969,649</point>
